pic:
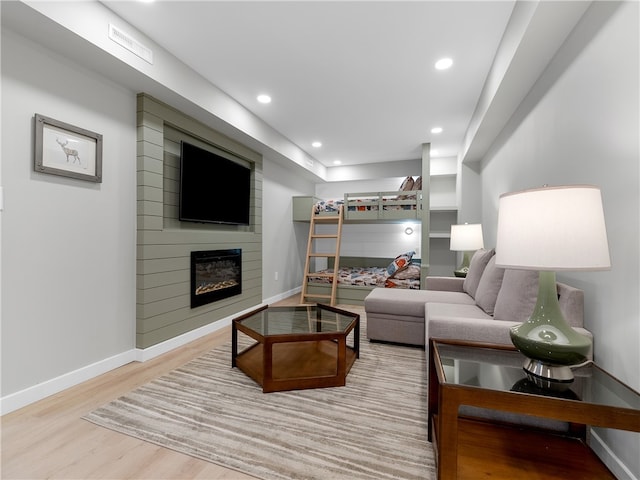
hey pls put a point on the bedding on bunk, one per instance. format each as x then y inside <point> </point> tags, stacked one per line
<point>403,199</point>
<point>327,206</point>
<point>370,277</point>
<point>400,273</point>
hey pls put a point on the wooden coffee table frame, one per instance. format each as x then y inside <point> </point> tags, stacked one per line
<point>296,361</point>
<point>445,422</point>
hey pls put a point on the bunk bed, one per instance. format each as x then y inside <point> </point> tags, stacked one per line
<point>357,276</point>
<point>374,206</point>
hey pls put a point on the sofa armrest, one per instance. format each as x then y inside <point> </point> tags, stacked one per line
<point>447,284</point>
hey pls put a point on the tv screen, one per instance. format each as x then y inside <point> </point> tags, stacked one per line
<point>213,189</point>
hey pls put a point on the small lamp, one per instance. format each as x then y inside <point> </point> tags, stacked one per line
<point>465,238</point>
<point>550,229</point>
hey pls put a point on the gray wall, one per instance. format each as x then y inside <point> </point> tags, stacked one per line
<point>580,124</point>
<point>284,241</point>
<point>68,246</point>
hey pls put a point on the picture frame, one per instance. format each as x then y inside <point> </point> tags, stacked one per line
<point>67,150</point>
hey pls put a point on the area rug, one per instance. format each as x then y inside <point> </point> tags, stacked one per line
<point>375,427</point>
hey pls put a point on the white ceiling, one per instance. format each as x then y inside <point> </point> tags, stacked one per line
<point>358,76</point>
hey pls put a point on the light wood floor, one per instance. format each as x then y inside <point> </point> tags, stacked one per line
<point>49,439</point>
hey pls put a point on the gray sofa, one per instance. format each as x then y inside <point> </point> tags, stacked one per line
<point>481,307</point>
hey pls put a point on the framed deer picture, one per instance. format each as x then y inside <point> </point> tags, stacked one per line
<point>62,149</point>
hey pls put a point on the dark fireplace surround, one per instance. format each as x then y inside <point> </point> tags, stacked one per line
<point>215,275</point>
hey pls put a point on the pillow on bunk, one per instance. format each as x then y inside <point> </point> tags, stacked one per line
<point>400,263</point>
<point>410,272</point>
<point>407,184</point>
<point>417,185</point>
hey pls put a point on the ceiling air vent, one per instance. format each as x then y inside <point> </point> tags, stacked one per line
<point>130,44</point>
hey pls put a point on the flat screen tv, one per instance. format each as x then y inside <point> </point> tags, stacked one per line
<point>213,189</point>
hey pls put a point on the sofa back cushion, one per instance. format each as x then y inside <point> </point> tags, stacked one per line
<point>571,301</point>
<point>517,297</point>
<point>489,286</point>
<point>476,268</point>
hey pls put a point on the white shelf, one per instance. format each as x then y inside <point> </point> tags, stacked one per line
<point>443,208</point>
<point>440,235</point>
<point>443,175</point>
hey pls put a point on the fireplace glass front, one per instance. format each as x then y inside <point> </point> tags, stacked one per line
<point>215,274</point>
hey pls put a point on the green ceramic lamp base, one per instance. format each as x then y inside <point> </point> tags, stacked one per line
<point>463,269</point>
<point>547,340</point>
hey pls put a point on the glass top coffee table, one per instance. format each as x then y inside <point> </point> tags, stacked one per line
<point>293,348</point>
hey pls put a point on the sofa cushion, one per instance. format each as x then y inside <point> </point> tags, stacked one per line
<point>408,302</point>
<point>489,286</point>
<point>476,269</point>
<point>443,323</point>
<point>571,301</point>
<point>517,297</point>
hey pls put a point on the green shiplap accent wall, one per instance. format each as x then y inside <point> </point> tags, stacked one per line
<point>164,244</point>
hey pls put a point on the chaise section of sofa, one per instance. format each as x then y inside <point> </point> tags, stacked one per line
<point>481,307</point>
<point>397,315</point>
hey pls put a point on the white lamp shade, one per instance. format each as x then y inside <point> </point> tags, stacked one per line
<point>552,228</point>
<point>466,238</point>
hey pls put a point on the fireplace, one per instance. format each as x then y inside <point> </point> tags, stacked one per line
<point>215,274</point>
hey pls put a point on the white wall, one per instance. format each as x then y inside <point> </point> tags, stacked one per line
<point>68,246</point>
<point>580,125</point>
<point>284,241</point>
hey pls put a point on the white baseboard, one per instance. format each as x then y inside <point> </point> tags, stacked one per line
<point>282,296</point>
<point>17,400</point>
<point>609,458</point>
<point>30,395</point>
<point>145,354</point>
<point>142,355</point>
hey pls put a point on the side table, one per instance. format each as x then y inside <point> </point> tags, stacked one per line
<point>491,377</point>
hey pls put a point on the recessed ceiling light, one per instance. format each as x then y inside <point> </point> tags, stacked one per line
<point>262,98</point>
<point>316,144</point>
<point>337,162</point>
<point>444,63</point>
<point>436,130</point>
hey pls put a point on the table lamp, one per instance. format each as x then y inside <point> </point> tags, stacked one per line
<point>550,229</point>
<point>465,238</point>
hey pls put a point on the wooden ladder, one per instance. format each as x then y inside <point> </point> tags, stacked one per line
<point>312,253</point>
